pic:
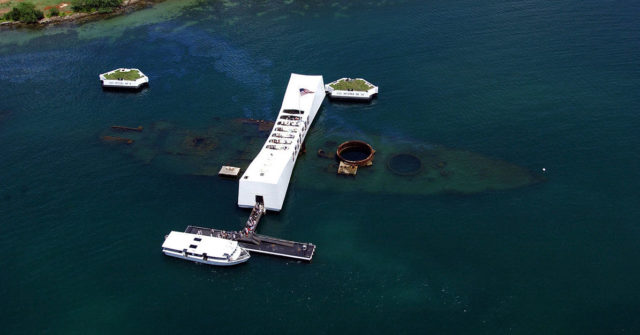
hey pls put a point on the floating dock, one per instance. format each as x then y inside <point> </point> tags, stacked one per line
<point>229,171</point>
<point>249,240</point>
<point>261,243</point>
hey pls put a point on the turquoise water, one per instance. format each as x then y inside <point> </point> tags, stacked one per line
<point>536,83</point>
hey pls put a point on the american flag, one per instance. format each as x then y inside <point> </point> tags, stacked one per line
<point>304,91</point>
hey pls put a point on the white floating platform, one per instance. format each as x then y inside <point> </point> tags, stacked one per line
<point>351,94</point>
<point>143,80</point>
<point>229,171</point>
<point>267,178</point>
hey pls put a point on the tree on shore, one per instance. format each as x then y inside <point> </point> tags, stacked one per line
<point>95,5</point>
<point>24,12</point>
<point>54,11</point>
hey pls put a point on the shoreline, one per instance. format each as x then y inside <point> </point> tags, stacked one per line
<point>126,7</point>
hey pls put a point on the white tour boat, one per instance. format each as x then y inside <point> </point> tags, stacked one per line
<point>267,178</point>
<point>204,249</point>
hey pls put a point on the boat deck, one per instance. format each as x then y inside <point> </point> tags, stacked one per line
<point>261,243</point>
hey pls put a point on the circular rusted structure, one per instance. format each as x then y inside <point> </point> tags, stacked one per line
<point>356,153</point>
<point>405,164</point>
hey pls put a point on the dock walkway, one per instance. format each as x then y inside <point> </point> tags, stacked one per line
<point>256,214</point>
<point>260,243</point>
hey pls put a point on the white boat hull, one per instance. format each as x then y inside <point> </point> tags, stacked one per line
<point>208,261</point>
<point>204,249</point>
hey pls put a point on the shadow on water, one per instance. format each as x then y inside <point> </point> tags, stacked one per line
<point>115,90</point>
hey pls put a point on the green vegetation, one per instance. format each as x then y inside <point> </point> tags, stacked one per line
<point>43,5</point>
<point>102,6</point>
<point>125,75</point>
<point>33,10</point>
<point>351,85</point>
<point>24,12</point>
<point>40,4</point>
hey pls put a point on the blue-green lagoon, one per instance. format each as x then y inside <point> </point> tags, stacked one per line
<point>525,85</point>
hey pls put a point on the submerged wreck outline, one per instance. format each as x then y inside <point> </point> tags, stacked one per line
<point>442,170</point>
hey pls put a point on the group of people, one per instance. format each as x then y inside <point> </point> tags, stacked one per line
<point>252,222</point>
<point>249,228</point>
<point>227,235</point>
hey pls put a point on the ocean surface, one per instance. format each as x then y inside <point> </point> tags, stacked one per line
<point>540,84</point>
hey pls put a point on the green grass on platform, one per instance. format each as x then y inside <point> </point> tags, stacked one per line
<point>353,84</point>
<point>124,75</point>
